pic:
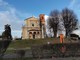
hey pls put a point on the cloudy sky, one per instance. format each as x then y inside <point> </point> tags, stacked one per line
<point>14,12</point>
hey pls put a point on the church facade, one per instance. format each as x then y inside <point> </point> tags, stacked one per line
<point>34,28</point>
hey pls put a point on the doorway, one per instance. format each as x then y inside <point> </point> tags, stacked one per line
<point>34,35</point>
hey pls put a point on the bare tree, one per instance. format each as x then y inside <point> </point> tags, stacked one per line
<point>70,20</point>
<point>53,21</point>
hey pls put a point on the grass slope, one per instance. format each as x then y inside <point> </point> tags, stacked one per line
<point>29,43</point>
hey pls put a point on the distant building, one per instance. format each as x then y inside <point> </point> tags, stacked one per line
<point>34,28</point>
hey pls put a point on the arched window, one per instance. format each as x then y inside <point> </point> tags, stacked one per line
<point>37,32</point>
<point>30,32</point>
<point>32,24</point>
<point>34,33</point>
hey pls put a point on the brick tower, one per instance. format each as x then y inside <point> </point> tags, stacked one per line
<point>42,25</point>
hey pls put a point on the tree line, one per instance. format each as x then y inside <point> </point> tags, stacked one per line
<point>67,17</point>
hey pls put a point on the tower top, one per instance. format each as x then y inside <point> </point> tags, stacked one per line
<point>41,17</point>
<point>41,14</point>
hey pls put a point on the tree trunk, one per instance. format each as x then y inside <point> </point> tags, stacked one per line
<point>66,35</point>
<point>55,34</point>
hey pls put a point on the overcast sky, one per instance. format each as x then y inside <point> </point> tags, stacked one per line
<point>14,12</point>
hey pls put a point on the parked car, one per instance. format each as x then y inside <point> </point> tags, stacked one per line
<point>74,36</point>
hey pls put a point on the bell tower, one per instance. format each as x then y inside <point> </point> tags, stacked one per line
<point>42,25</point>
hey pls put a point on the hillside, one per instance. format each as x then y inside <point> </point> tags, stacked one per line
<point>28,43</point>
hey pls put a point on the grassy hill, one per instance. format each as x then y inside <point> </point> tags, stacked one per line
<point>30,42</point>
<point>15,45</point>
<point>26,44</point>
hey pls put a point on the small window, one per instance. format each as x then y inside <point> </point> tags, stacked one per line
<point>32,24</point>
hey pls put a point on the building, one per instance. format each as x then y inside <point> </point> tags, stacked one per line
<point>34,28</point>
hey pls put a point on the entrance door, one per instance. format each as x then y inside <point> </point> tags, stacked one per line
<point>34,35</point>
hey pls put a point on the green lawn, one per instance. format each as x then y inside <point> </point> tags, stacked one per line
<point>26,44</point>
<point>29,43</point>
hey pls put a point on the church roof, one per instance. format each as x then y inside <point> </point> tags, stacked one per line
<point>31,18</point>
